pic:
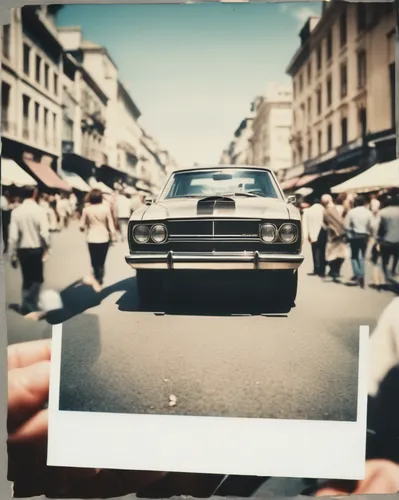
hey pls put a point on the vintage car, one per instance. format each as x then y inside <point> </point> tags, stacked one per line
<point>222,218</point>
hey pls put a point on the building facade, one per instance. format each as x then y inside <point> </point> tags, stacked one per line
<point>343,77</point>
<point>270,142</point>
<point>32,68</point>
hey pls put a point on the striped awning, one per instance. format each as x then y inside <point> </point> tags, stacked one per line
<point>75,181</point>
<point>13,175</point>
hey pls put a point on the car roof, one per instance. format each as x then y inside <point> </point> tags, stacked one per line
<point>221,167</point>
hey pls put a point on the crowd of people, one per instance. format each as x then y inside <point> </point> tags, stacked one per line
<point>29,219</point>
<point>358,228</point>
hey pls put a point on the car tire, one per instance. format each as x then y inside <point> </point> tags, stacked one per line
<point>286,292</point>
<point>149,288</point>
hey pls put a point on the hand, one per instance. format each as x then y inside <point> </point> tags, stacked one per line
<point>14,262</point>
<point>382,477</point>
<point>46,255</point>
<point>378,247</point>
<point>27,423</point>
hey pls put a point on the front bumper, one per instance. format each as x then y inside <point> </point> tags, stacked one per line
<point>214,260</point>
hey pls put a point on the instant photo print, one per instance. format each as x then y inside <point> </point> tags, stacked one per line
<point>200,224</point>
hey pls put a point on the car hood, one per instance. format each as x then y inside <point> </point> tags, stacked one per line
<point>240,207</point>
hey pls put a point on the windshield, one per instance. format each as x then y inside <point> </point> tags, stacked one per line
<point>225,182</point>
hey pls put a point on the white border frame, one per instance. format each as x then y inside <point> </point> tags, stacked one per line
<point>244,446</point>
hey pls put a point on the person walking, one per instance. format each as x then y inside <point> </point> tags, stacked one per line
<point>315,233</point>
<point>29,243</point>
<point>99,225</point>
<point>375,254</point>
<point>6,209</point>
<point>358,224</point>
<point>388,236</point>
<point>123,212</point>
<point>63,210</point>
<point>336,249</point>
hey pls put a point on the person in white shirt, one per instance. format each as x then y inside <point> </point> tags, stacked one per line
<point>29,242</point>
<point>123,212</point>
<point>64,211</point>
<point>314,232</point>
<point>358,224</point>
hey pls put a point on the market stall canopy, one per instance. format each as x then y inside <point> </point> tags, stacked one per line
<point>13,175</point>
<point>304,191</point>
<point>380,176</point>
<point>289,184</point>
<point>44,173</point>
<point>75,181</point>
<point>306,179</point>
<point>102,187</point>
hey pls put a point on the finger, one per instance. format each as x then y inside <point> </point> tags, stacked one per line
<point>381,478</point>
<point>27,393</point>
<point>35,430</point>
<point>331,492</point>
<point>28,353</point>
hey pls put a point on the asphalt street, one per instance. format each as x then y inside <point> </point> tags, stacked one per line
<point>116,358</point>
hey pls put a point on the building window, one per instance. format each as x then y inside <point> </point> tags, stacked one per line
<point>344,131</point>
<point>362,122</point>
<point>300,82</point>
<point>319,101</point>
<point>55,84</point>
<point>38,69</point>
<point>319,137</point>
<point>361,17</point>
<point>329,45</point>
<point>37,125</point>
<point>55,138</point>
<point>329,91</point>
<point>361,69</point>
<point>26,59</point>
<point>6,41</point>
<point>309,69</point>
<point>392,84</point>
<point>5,106</point>
<point>294,89</point>
<point>343,29</point>
<point>309,149</point>
<point>46,130</point>
<point>46,75</point>
<point>25,111</point>
<point>319,57</point>
<point>344,80</point>
<point>309,108</point>
<point>329,137</point>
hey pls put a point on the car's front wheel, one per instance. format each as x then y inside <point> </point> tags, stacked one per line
<point>284,291</point>
<point>149,288</point>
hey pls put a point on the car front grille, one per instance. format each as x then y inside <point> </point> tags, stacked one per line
<point>222,229</point>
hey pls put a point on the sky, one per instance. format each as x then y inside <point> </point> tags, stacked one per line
<point>194,69</point>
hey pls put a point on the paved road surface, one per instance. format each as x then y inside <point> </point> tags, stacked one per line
<point>119,359</point>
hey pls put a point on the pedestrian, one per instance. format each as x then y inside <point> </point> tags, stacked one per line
<point>123,212</point>
<point>336,249</point>
<point>73,205</point>
<point>375,254</point>
<point>316,234</point>
<point>388,236</point>
<point>54,219</point>
<point>63,210</point>
<point>136,201</point>
<point>99,225</point>
<point>358,223</point>
<point>6,208</point>
<point>344,203</point>
<point>29,244</point>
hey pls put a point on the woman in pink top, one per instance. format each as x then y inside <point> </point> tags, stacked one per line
<point>98,223</point>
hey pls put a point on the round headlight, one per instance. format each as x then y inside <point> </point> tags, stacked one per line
<point>158,233</point>
<point>288,233</point>
<point>141,234</point>
<point>268,233</point>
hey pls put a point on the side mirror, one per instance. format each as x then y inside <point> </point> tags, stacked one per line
<point>148,201</point>
<point>291,199</point>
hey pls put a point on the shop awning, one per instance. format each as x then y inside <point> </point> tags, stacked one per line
<point>289,184</point>
<point>304,191</point>
<point>43,172</point>
<point>75,181</point>
<point>380,176</point>
<point>306,179</point>
<point>13,175</point>
<point>101,186</point>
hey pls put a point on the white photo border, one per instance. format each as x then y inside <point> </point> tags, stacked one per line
<point>213,445</point>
